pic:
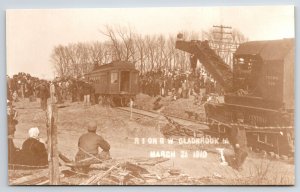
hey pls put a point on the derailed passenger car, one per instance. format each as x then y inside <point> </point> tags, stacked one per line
<point>114,83</point>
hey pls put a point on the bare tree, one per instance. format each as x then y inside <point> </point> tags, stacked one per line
<point>116,45</point>
<point>122,42</point>
<point>127,35</point>
<point>148,52</point>
<point>60,60</point>
<point>140,43</point>
<point>238,37</point>
<point>151,48</point>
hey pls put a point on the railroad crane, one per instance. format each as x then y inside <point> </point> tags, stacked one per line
<point>259,92</point>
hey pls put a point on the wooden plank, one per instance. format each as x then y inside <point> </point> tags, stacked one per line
<point>96,178</point>
<point>152,162</point>
<point>36,181</point>
<point>46,182</point>
<point>64,158</point>
<point>28,178</point>
<point>84,162</point>
<point>35,176</point>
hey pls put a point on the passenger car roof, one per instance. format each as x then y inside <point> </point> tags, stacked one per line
<point>124,65</point>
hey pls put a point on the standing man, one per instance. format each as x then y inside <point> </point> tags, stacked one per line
<point>52,92</point>
<point>44,94</point>
<point>12,121</point>
<point>22,89</point>
<point>8,88</point>
<point>238,140</point>
<point>86,93</point>
<point>92,95</point>
<point>74,90</point>
<point>59,93</point>
<point>11,118</point>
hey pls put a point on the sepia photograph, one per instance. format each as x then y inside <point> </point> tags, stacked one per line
<point>151,96</point>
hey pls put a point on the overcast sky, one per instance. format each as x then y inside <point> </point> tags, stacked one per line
<point>32,34</point>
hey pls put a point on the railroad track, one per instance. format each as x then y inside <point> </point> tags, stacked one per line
<point>153,114</point>
<point>194,125</point>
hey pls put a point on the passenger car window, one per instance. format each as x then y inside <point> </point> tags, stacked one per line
<point>114,77</point>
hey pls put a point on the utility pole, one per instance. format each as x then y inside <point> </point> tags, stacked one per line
<point>223,43</point>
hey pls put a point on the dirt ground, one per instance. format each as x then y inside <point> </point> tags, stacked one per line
<point>174,108</point>
<point>117,128</point>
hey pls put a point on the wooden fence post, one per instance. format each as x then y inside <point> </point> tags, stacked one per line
<point>131,106</point>
<point>52,145</point>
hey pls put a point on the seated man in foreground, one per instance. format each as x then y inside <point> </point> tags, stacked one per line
<point>88,147</point>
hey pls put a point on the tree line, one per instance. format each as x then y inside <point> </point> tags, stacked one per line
<point>147,52</point>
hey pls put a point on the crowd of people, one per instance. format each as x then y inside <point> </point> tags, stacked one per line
<point>178,83</point>
<point>33,152</point>
<point>23,85</point>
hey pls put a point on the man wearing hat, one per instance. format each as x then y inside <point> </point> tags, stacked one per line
<point>89,143</point>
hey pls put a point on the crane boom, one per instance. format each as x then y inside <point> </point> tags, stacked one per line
<point>213,63</point>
